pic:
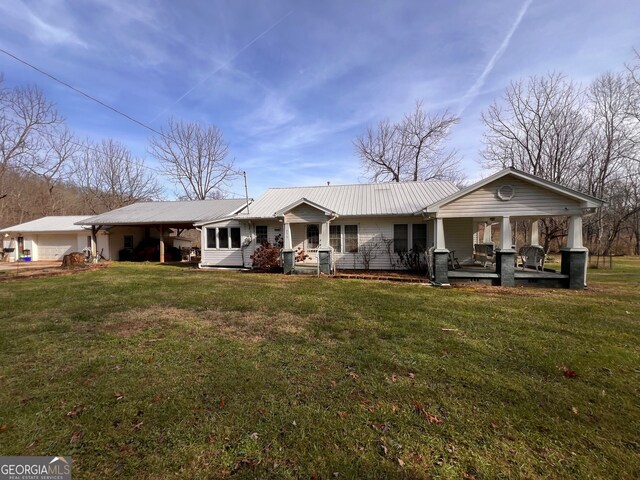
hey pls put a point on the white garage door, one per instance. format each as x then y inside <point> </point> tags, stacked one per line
<point>54,247</point>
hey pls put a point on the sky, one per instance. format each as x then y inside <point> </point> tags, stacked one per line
<point>292,83</point>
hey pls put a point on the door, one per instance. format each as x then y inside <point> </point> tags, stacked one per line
<point>54,247</point>
<point>313,236</point>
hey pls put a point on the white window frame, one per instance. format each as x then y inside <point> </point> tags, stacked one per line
<point>217,237</point>
<point>343,243</point>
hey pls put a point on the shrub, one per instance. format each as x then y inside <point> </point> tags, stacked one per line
<point>267,255</point>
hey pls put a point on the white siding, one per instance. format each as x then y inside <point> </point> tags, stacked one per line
<point>305,213</point>
<point>374,233</point>
<point>529,200</point>
<point>458,236</point>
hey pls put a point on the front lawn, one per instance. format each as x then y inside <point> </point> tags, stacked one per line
<point>152,371</point>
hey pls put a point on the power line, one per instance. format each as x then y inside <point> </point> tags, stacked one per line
<point>77,90</point>
<point>100,102</point>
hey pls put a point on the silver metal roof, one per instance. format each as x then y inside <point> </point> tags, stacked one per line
<point>53,224</point>
<point>405,198</point>
<point>168,213</point>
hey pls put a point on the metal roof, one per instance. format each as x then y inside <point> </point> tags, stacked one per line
<point>404,198</point>
<point>53,224</point>
<point>167,213</point>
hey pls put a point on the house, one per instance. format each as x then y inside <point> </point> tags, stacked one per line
<point>462,234</point>
<point>374,226</point>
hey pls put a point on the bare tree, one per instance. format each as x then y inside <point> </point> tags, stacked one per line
<point>195,157</point>
<point>410,150</point>
<point>25,114</point>
<point>109,177</point>
<point>539,127</point>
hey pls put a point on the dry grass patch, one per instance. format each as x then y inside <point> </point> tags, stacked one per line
<point>245,326</point>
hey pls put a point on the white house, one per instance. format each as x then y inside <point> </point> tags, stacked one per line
<point>368,226</point>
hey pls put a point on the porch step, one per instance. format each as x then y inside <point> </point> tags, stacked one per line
<point>305,270</point>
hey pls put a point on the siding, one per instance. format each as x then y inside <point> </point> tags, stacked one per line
<point>305,213</point>
<point>374,234</point>
<point>528,201</point>
<point>458,236</point>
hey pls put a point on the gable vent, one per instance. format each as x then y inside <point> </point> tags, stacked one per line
<point>505,192</point>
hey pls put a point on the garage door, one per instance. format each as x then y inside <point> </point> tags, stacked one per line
<point>54,247</point>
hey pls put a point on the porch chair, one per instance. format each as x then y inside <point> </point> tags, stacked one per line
<point>532,256</point>
<point>484,253</point>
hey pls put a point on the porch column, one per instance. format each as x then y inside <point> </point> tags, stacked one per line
<point>324,234</point>
<point>161,243</point>
<point>94,242</point>
<point>534,238</point>
<point>575,255</point>
<point>487,232</point>
<point>440,255</point>
<point>506,255</point>
<point>288,242</point>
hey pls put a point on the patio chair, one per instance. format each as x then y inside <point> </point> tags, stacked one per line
<point>453,261</point>
<point>484,253</point>
<point>532,256</point>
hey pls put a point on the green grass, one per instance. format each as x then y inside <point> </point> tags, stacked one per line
<point>153,371</point>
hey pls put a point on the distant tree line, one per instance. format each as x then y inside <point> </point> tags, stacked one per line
<point>586,137</point>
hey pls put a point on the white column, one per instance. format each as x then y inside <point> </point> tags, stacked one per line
<point>324,234</point>
<point>439,227</point>
<point>487,232</point>
<point>574,238</point>
<point>535,236</point>
<point>506,242</point>
<point>288,242</point>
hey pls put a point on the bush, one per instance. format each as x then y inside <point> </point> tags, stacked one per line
<point>267,256</point>
<point>414,261</point>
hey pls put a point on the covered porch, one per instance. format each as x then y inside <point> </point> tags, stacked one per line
<point>494,206</point>
<point>306,229</point>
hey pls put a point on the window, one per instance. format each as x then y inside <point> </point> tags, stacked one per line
<point>128,242</point>
<point>419,237</point>
<point>261,234</point>
<point>211,237</point>
<point>235,237</point>
<point>313,236</point>
<point>335,237</point>
<point>226,237</point>
<point>400,238</point>
<point>351,238</point>
<point>223,238</point>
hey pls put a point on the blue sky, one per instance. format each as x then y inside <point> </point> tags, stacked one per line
<point>292,83</point>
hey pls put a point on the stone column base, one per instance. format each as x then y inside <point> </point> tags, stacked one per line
<point>324,258</point>
<point>506,266</point>
<point>574,264</point>
<point>288,260</point>
<point>441,266</point>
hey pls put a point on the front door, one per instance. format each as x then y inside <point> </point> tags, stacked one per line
<point>313,236</point>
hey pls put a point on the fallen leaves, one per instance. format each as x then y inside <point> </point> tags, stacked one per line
<point>77,410</point>
<point>119,395</point>
<point>567,372</point>
<point>431,418</point>
<point>4,427</point>
<point>75,437</point>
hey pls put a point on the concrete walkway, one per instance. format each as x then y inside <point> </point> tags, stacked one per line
<point>15,266</point>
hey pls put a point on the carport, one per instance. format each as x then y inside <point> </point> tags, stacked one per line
<point>163,216</point>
